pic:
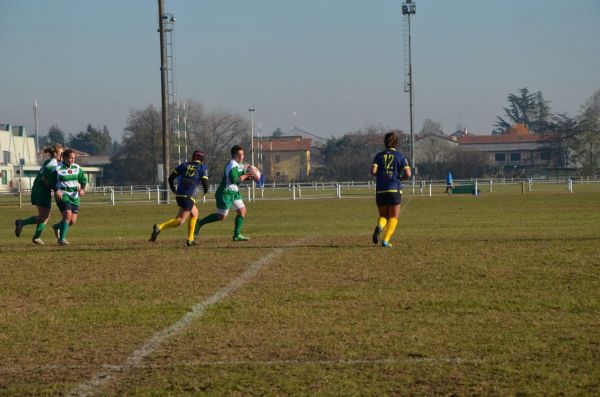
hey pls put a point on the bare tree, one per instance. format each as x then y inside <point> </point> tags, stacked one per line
<point>140,152</point>
<point>215,133</point>
<point>586,148</point>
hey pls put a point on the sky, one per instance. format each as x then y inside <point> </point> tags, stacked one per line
<point>326,66</point>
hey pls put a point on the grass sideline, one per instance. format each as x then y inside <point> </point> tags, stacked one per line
<point>491,295</point>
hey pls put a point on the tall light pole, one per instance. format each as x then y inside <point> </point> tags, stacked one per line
<point>409,8</point>
<point>165,95</point>
<point>37,135</point>
<point>251,110</point>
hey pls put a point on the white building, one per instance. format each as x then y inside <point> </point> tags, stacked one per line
<point>19,162</point>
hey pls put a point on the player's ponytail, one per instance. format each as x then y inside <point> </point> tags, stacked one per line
<point>390,140</point>
<point>53,149</point>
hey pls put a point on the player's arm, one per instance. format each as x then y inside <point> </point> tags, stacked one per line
<point>171,179</point>
<point>57,185</point>
<point>406,173</point>
<point>82,180</point>
<point>374,169</point>
<point>204,182</point>
<point>238,176</point>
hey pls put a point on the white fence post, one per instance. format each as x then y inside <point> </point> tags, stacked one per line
<point>476,188</point>
<point>293,192</point>
<point>157,194</point>
<point>570,186</point>
<point>491,189</point>
<point>249,193</point>
<point>299,191</point>
<point>429,189</point>
<point>112,196</point>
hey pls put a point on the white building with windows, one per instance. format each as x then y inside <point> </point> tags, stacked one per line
<point>19,161</point>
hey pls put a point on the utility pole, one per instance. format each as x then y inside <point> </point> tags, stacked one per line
<point>409,8</point>
<point>37,136</point>
<point>164,102</point>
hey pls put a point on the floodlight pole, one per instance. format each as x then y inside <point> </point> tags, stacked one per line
<point>408,9</point>
<point>164,104</point>
<point>251,110</point>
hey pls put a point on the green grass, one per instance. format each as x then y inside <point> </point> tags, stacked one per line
<point>496,295</point>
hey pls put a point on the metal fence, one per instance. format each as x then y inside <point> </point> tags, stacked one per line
<point>154,194</point>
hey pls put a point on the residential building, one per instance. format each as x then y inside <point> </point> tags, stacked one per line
<point>20,163</point>
<point>515,149</point>
<point>284,158</point>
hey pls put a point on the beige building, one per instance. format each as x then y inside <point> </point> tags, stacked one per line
<point>285,158</point>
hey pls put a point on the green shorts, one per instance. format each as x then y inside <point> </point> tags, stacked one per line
<point>40,194</point>
<point>225,199</point>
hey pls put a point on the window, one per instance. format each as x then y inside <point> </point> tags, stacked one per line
<point>515,157</point>
<point>500,157</point>
<point>5,157</point>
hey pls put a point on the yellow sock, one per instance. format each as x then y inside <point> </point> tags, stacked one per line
<point>382,222</point>
<point>191,227</point>
<point>171,223</point>
<point>390,229</point>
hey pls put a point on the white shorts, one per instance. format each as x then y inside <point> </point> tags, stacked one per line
<point>236,205</point>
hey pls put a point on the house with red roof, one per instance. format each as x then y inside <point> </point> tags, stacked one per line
<point>517,149</point>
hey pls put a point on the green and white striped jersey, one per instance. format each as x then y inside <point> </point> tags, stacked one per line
<point>231,177</point>
<point>69,179</point>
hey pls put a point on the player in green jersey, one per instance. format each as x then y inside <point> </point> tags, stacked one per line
<point>70,186</point>
<point>41,195</point>
<point>228,195</point>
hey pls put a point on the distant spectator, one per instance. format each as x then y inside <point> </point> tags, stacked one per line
<point>449,183</point>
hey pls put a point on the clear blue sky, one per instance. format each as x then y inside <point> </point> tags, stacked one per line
<point>327,66</point>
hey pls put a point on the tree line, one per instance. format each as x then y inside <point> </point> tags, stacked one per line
<point>134,160</point>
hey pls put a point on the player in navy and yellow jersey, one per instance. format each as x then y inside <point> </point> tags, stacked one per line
<point>41,195</point>
<point>188,175</point>
<point>390,167</point>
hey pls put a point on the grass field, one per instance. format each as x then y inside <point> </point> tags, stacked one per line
<point>496,295</point>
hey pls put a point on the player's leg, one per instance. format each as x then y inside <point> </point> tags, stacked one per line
<point>64,226</point>
<point>393,213</point>
<point>41,198</point>
<point>224,202</point>
<point>42,218</point>
<point>239,221</point>
<point>171,223</point>
<point>193,218</point>
<point>382,221</point>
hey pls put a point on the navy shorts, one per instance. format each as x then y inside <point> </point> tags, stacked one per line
<point>64,205</point>
<point>185,202</point>
<point>388,198</point>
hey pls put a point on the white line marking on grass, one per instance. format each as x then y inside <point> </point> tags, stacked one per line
<point>100,380</point>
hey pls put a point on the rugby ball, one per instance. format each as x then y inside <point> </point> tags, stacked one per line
<point>255,172</point>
